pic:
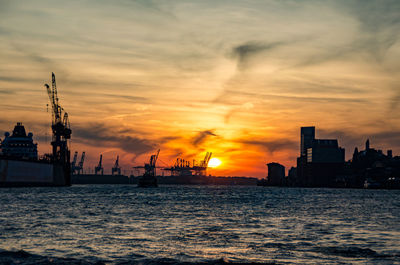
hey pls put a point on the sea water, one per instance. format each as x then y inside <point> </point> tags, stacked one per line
<point>123,224</point>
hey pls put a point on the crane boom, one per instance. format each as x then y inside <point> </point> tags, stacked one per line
<point>61,129</point>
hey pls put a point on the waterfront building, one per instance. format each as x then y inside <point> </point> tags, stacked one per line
<point>320,161</point>
<point>276,174</point>
<point>325,162</point>
<point>307,136</point>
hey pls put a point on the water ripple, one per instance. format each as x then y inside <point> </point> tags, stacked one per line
<point>114,224</point>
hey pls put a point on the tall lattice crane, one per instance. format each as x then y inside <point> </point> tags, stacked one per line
<point>61,129</point>
<point>116,168</point>
<point>202,168</point>
<point>150,168</point>
<point>99,167</point>
<point>73,164</point>
<point>149,178</point>
<point>80,164</point>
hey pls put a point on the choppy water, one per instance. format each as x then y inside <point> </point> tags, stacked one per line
<point>193,224</point>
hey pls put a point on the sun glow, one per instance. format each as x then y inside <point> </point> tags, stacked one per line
<point>214,162</point>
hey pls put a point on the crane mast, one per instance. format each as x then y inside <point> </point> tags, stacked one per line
<point>99,167</point>
<point>150,168</point>
<point>149,178</point>
<point>60,128</point>
<point>80,165</point>
<point>116,168</point>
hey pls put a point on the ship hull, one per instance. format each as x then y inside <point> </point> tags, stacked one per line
<point>22,173</point>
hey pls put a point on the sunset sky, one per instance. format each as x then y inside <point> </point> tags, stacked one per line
<point>236,78</point>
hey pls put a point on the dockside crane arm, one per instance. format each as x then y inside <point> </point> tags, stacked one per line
<point>208,159</point>
<point>74,159</point>
<point>155,160</point>
<point>53,96</point>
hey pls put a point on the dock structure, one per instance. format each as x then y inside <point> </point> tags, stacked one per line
<point>183,167</point>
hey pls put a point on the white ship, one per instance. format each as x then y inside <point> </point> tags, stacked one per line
<point>19,161</point>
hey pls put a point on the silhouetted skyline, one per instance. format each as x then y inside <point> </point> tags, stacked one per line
<point>235,78</point>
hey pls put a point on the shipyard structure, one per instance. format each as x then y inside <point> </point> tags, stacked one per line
<point>97,176</point>
<point>20,164</point>
<point>182,172</point>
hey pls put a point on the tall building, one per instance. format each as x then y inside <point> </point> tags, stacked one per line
<point>325,161</point>
<point>320,161</point>
<point>276,174</point>
<point>307,136</point>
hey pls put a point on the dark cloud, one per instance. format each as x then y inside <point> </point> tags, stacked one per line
<point>247,50</point>
<point>272,146</point>
<point>97,134</point>
<point>202,136</point>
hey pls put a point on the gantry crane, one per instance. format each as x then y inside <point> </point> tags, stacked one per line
<point>116,168</point>
<point>99,167</point>
<point>182,167</point>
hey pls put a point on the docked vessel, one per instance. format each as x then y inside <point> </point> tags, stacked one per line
<point>19,162</point>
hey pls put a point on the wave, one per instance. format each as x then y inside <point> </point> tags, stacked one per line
<point>354,252</point>
<point>24,258</point>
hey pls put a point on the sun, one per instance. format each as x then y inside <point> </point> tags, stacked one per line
<point>214,162</point>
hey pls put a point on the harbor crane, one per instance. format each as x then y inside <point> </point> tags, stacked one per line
<point>99,167</point>
<point>149,178</point>
<point>61,130</point>
<point>201,170</point>
<point>116,168</point>
<point>150,168</point>
<point>183,167</point>
<point>79,168</point>
<point>73,164</point>
<point>60,123</point>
